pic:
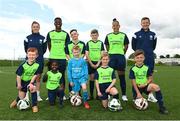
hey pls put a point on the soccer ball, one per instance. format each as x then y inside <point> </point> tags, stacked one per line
<point>114,105</point>
<point>141,104</point>
<point>76,100</point>
<point>72,93</point>
<point>23,104</point>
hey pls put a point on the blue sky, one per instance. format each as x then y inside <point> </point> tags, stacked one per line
<point>16,17</point>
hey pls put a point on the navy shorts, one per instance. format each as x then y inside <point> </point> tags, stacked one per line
<point>117,62</point>
<point>24,85</point>
<point>90,69</point>
<point>141,90</point>
<point>103,88</point>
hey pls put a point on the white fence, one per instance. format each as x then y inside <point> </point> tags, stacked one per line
<point>168,60</point>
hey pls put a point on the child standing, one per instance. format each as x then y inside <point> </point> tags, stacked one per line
<point>78,74</point>
<point>94,49</point>
<point>54,84</point>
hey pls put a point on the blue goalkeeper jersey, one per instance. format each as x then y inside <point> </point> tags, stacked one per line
<point>38,41</point>
<point>77,68</point>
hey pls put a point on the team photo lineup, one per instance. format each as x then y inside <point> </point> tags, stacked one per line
<point>88,71</point>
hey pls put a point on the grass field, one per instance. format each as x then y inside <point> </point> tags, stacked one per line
<point>167,77</point>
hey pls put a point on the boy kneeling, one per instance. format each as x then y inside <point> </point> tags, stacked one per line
<point>105,81</point>
<point>141,78</point>
<point>26,76</point>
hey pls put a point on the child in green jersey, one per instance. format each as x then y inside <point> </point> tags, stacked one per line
<point>53,79</point>
<point>141,78</point>
<point>94,50</point>
<point>105,81</point>
<point>27,73</point>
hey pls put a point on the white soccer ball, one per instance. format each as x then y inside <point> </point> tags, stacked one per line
<point>23,104</point>
<point>76,100</point>
<point>72,93</point>
<point>141,103</point>
<point>114,105</point>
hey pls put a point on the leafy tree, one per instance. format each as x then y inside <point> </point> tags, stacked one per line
<point>167,56</point>
<point>176,56</point>
<point>161,56</point>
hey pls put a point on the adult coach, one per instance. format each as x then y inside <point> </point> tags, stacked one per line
<point>38,41</point>
<point>57,40</point>
<point>146,40</point>
<point>117,45</point>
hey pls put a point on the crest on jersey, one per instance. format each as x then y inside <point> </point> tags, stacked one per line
<point>40,41</point>
<point>151,37</point>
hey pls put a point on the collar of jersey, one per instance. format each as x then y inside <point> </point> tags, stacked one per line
<point>139,66</point>
<point>30,64</point>
<point>74,42</point>
<point>95,41</point>
<point>104,67</point>
<point>145,31</point>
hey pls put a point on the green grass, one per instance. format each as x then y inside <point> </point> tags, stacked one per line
<point>167,77</point>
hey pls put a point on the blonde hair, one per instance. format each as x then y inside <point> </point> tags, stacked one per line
<point>76,47</point>
<point>104,54</point>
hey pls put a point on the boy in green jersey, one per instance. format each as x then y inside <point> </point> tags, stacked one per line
<point>75,41</point>
<point>26,76</point>
<point>94,50</point>
<point>141,78</point>
<point>105,81</point>
<point>54,84</point>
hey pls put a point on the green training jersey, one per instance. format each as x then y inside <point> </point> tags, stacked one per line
<point>58,41</point>
<point>27,71</point>
<point>104,75</point>
<point>53,80</point>
<point>70,46</point>
<point>140,74</point>
<point>94,48</point>
<point>116,43</point>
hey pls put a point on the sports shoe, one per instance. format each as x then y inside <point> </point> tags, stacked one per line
<point>65,97</point>
<point>47,98</point>
<point>34,109</point>
<point>39,99</point>
<point>13,104</point>
<point>124,98</point>
<point>86,105</point>
<point>151,98</point>
<point>163,110</point>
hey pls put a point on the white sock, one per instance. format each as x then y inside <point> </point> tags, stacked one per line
<point>38,93</point>
<point>27,95</point>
